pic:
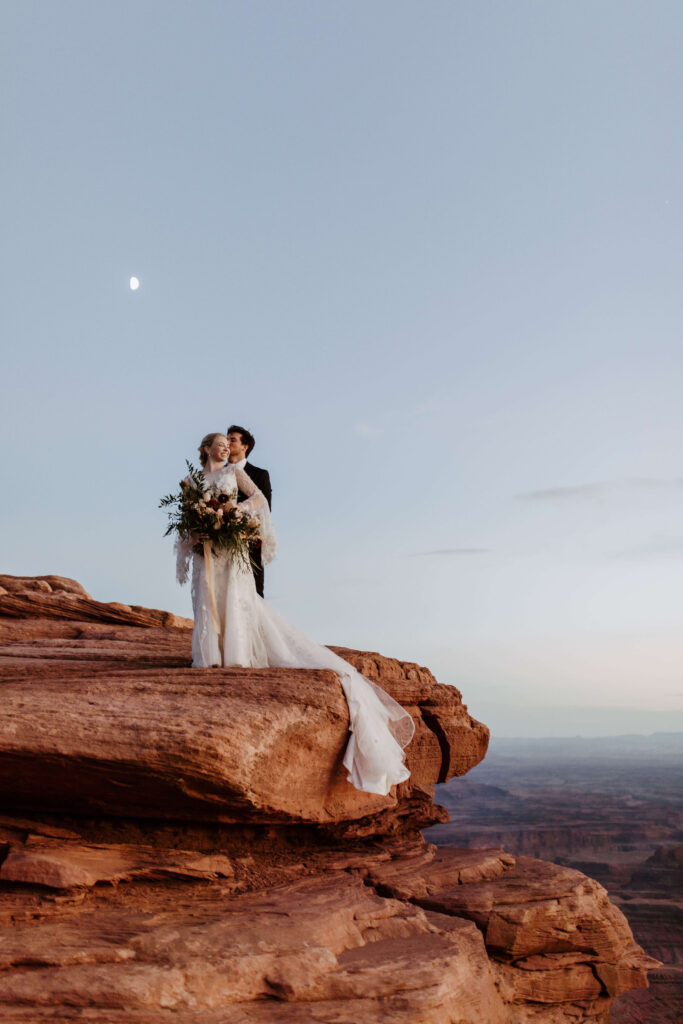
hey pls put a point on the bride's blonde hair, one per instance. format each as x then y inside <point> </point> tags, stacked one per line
<point>206,442</point>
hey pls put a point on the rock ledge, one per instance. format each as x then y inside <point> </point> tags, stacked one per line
<point>183,845</point>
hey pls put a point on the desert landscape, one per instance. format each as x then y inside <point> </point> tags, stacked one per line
<point>611,807</point>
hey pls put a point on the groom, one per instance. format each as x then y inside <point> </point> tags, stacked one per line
<point>240,444</point>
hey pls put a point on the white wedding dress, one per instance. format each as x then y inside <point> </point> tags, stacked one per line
<point>240,628</point>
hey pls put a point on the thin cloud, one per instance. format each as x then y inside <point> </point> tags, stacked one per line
<point>367,430</point>
<point>354,581</point>
<point>451,551</point>
<point>656,548</point>
<point>587,492</point>
<point>580,491</point>
<point>653,484</point>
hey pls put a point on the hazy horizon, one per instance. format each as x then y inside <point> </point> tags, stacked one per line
<point>589,723</point>
<point>662,741</point>
<point>431,255</point>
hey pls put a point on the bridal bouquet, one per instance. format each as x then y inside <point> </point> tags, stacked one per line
<point>200,513</point>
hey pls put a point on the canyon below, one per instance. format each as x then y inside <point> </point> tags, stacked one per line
<point>610,807</point>
<point>182,845</point>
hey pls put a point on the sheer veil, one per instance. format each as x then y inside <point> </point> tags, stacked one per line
<point>260,510</point>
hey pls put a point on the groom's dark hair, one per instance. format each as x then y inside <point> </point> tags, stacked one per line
<point>247,438</point>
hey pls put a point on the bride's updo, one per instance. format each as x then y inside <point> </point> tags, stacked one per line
<point>206,442</point>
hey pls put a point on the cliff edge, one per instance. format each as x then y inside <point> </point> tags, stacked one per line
<point>182,845</point>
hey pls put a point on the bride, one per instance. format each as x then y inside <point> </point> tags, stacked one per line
<point>234,626</point>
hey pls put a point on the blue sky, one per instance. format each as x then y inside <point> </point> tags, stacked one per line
<point>431,254</point>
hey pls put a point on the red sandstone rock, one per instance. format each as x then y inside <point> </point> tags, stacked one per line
<point>60,865</point>
<point>324,947</point>
<point>328,945</point>
<point>216,868</point>
<point>100,723</point>
<point>554,932</point>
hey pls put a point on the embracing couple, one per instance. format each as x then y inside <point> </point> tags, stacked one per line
<point>234,626</point>
<point>240,444</point>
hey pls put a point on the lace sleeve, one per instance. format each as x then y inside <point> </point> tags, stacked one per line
<point>257,506</point>
<point>183,555</point>
<point>255,499</point>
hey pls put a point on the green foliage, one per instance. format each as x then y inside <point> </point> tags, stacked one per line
<point>200,513</point>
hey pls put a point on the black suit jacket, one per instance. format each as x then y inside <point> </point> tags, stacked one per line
<point>262,480</point>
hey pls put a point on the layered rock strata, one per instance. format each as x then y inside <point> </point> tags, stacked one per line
<point>182,844</point>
